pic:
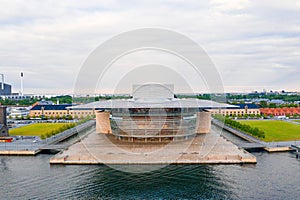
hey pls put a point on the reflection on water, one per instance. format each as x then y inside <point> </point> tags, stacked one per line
<point>276,176</point>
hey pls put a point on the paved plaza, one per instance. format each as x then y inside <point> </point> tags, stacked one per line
<point>105,149</point>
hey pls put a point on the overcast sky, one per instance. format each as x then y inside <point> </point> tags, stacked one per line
<point>255,45</point>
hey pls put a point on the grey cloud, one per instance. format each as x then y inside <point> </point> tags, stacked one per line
<point>49,40</point>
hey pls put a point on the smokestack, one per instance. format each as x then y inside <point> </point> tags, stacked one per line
<point>22,92</point>
<point>2,85</point>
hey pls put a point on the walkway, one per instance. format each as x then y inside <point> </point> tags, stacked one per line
<point>28,147</point>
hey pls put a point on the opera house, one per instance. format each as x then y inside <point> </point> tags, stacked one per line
<point>153,114</point>
<point>152,128</point>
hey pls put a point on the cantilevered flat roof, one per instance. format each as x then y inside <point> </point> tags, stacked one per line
<point>153,103</point>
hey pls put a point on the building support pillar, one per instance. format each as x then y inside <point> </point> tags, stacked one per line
<point>203,123</point>
<point>103,122</point>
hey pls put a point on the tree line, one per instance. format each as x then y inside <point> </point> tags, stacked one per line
<point>64,128</point>
<point>254,131</point>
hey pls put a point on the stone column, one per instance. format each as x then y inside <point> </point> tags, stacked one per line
<point>3,115</point>
<point>203,123</point>
<point>103,122</point>
<point>3,125</point>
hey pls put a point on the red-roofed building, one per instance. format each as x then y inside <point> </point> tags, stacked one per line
<point>280,111</point>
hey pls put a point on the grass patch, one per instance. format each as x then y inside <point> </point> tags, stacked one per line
<point>297,120</point>
<point>36,129</point>
<point>275,130</point>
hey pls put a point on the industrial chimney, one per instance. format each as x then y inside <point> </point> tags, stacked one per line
<point>22,92</point>
<point>2,83</point>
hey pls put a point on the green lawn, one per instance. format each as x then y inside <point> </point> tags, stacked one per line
<point>276,130</point>
<point>297,120</point>
<point>35,129</point>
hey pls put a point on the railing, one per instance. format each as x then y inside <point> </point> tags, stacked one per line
<point>152,114</point>
<point>27,144</point>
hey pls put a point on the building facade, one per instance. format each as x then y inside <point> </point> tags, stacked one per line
<point>59,110</point>
<point>5,89</point>
<point>280,111</point>
<point>152,115</point>
<point>241,110</point>
<point>15,112</point>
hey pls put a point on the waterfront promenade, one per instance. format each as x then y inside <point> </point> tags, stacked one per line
<point>26,146</point>
<point>268,146</point>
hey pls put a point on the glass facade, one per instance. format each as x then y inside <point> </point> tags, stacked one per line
<point>155,124</point>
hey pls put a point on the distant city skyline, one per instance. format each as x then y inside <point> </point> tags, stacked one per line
<point>253,44</point>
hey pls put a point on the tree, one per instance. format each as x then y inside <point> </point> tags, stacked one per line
<point>263,104</point>
<point>43,137</point>
<point>48,134</point>
<point>272,105</point>
<point>258,116</point>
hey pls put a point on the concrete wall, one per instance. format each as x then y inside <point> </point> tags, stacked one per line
<point>203,123</point>
<point>3,127</point>
<point>103,122</point>
<point>3,115</point>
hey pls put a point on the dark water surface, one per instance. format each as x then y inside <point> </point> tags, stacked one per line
<point>276,176</point>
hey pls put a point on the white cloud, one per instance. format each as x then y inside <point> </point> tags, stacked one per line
<point>253,43</point>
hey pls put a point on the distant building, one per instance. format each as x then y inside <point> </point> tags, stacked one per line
<point>60,110</point>
<point>49,110</point>
<point>45,102</point>
<point>277,101</point>
<point>280,111</point>
<point>5,89</point>
<point>242,109</point>
<point>15,112</point>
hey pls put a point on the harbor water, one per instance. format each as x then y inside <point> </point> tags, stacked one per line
<point>275,176</point>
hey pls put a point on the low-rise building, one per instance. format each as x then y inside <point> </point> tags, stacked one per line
<point>240,110</point>
<point>15,112</point>
<point>60,110</point>
<point>280,111</point>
